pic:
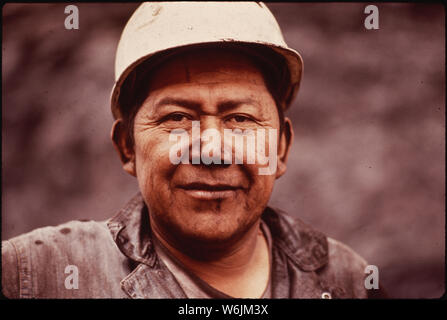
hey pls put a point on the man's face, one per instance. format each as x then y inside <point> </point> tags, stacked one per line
<point>198,202</point>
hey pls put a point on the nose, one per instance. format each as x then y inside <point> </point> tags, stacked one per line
<point>210,122</point>
<point>207,146</point>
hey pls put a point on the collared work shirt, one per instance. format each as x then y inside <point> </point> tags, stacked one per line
<point>116,259</point>
<point>196,288</point>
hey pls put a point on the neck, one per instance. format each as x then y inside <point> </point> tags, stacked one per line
<point>240,270</point>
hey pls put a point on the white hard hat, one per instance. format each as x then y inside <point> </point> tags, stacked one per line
<point>160,26</point>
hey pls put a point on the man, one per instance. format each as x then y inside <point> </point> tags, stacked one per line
<point>199,99</point>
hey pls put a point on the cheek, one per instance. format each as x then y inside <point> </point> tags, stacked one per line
<point>264,186</point>
<point>152,163</point>
<point>261,187</point>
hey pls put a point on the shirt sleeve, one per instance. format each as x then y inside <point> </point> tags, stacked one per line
<point>10,271</point>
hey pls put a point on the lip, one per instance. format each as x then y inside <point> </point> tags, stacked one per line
<point>205,191</point>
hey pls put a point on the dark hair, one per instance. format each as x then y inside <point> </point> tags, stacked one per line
<point>134,89</point>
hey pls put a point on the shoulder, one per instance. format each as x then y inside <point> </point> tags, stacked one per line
<point>62,236</point>
<point>344,261</point>
<point>340,269</point>
<point>340,252</point>
<point>10,274</point>
<point>33,262</point>
<point>345,271</point>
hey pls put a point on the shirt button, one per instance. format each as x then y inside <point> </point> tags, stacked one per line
<point>326,295</point>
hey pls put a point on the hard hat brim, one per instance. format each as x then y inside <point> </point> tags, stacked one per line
<point>292,58</point>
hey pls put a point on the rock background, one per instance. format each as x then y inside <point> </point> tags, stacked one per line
<point>367,165</point>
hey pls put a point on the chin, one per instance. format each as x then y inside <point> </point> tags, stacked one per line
<point>211,229</point>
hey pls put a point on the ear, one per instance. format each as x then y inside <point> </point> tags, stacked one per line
<point>121,142</point>
<point>285,142</point>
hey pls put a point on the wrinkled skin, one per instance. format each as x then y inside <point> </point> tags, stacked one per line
<point>222,90</point>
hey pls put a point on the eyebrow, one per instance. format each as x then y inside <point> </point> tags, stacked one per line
<point>189,104</point>
<point>178,102</point>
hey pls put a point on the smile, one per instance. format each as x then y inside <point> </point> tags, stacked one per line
<point>203,191</point>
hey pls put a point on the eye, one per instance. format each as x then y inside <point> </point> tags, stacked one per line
<point>240,118</point>
<point>177,117</point>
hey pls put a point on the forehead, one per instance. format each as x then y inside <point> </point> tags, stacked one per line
<point>207,66</point>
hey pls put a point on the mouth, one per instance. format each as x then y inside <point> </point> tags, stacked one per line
<point>204,191</point>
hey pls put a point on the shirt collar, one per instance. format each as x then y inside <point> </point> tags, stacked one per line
<point>306,247</point>
<point>131,231</point>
